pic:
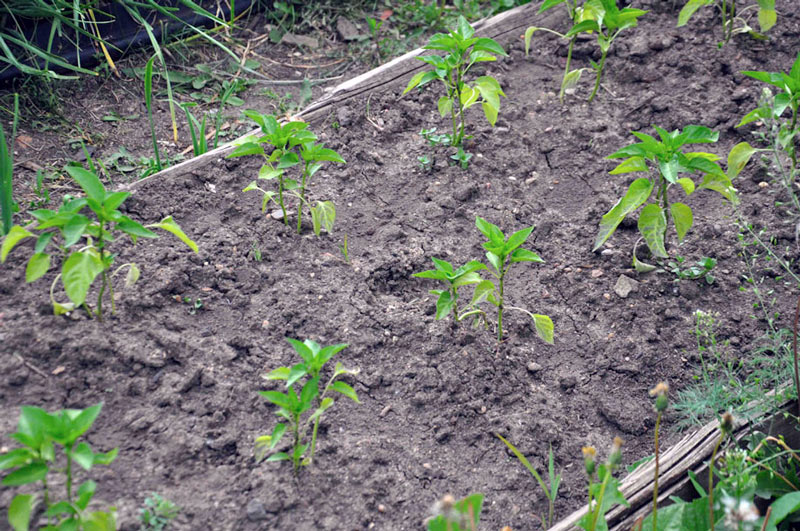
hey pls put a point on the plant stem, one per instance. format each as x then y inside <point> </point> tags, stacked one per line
<point>302,199</point>
<point>280,200</point>
<point>500,311</point>
<point>794,350</point>
<point>566,68</point>
<point>711,479</point>
<point>69,476</point>
<point>655,479</point>
<point>599,502</point>
<point>599,74</point>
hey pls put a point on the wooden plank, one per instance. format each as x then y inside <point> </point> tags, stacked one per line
<point>502,27</point>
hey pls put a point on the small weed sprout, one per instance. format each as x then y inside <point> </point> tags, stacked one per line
<point>293,407</point>
<point>292,145</point>
<point>602,17</point>
<point>501,253</point>
<point>701,269</point>
<point>93,258</point>
<point>157,513</point>
<point>41,433</point>
<point>463,52</point>
<point>667,157</point>
<point>767,16</point>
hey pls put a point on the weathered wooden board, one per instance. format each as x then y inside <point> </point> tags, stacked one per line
<point>691,453</point>
<point>503,27</point>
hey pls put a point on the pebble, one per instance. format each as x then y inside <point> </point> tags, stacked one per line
<point>276,214</point>
<point>596,273</point>
<point>625,285</point>
<point>568,382</point>
<point>256,511</point>
<point>763,184</point>
<point>534,367</point>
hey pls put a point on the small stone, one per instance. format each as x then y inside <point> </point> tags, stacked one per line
<point>596,273</point>
<point>381,508</point>
<point>624,286</point>
<point>607,296</point>
<point>256,511</point>
<point>607,252</point>
<point>300,40</point>
<point>763,184</point>
<point>426,466</point>
<point>277,214</point>
<point>346,29</point>
<point>568,382</point>
<point>534,367</point>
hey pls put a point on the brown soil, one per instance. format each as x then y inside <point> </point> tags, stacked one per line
<point>180,390</point>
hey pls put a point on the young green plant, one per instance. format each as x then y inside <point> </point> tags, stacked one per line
<point>157,513</point>
<point>501,253</point>
<point>7,204</point>
<point>669,161</point>
<point>604,488</point>
<point>40,433</point>
<point>767,16</point>
<point>85,260</point>
<point>452,515</point>
<point>602,17</point>
<point>463,51</point>
<point>293,407</point>
<point>292,145</point>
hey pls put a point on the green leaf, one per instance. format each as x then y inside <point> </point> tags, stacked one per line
<point>524,255</point>
<point>323,214</point>
<point>687,184</point>
<point>637,194</point>
<point>682,217</point>
<point>78,272</point>
<point>287,160</point>
<point>280,456</point>
<point>445,105</point>
<point>19,512</point>
<point>169,225</point>
<point>527,464</point>
<point>783,507</point>
<point>444,305</point>
<point>15,458</point>
<point>27,474</point>
<point>14,236</point>
<point>544,327</point>
<point>83,455</point>
<point>652,225</point>
<point>82,421</point>
<point>134,229</point>
<point>488,45</point>
<point>277,398</point>
<point>491,231</point>
<point>738,158</point>
<point>529,34</point>
<point>248,148</point>
<point>89,182</point>
<point>281,373</point>
<point>767,16</point>
<point>414,81</point>
<point>106,458</point>
<point>720,183</point>
<point>490,112</point>
<point>516,239</point>
<point>74,229</point>
<point>133,275</point>
<point>346,390</point>
<point>630,165</point>
<point>38,265</point>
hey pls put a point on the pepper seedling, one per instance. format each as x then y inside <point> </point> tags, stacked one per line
<point>92,259</point>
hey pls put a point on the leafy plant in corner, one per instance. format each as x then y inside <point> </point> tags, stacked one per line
<point>602,17</point>
<point>67,227</point>
<point>767,16</point>
<point>40,433</point>
<point>669,161</point>
<point>463,52</point>
<point>292,145</point>
<point>293,407</point>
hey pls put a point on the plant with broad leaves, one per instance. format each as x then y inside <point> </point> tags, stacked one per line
<point>292,145</point>
<point>463,52</point>
<point>602,17</point>
<point>40,432</point>
<point>501,253</point>
<point>292,406</point>
<point>669,161</point>
<point>92,258</point>
<point>452,515</point>
<point>767,16</point>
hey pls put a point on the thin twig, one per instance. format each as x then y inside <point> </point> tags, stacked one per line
<point>31,366</point>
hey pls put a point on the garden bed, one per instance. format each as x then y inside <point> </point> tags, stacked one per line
<point>179,384</point>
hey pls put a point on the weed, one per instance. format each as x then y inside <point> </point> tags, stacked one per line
<point>501,253</point>
<point>701,269</point>
<point>604,490</point>
<point>255,251</point>
<point>670,162</point>
<point>292,406</point>
<point>463,52</point>
<point>41,191</point>
<point>452,515</point>
<point>157,513</point>
<point>767,16</point>
<point>551,491</point>
<point>7,204</point>
<point>602,17</point>
<point>148,101</point>
<point>195,305</point>
<point>82,266</point>
<point>292,144</point>
<point>425,163</point>
<point>344,250</point>
<point>40,432</point>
